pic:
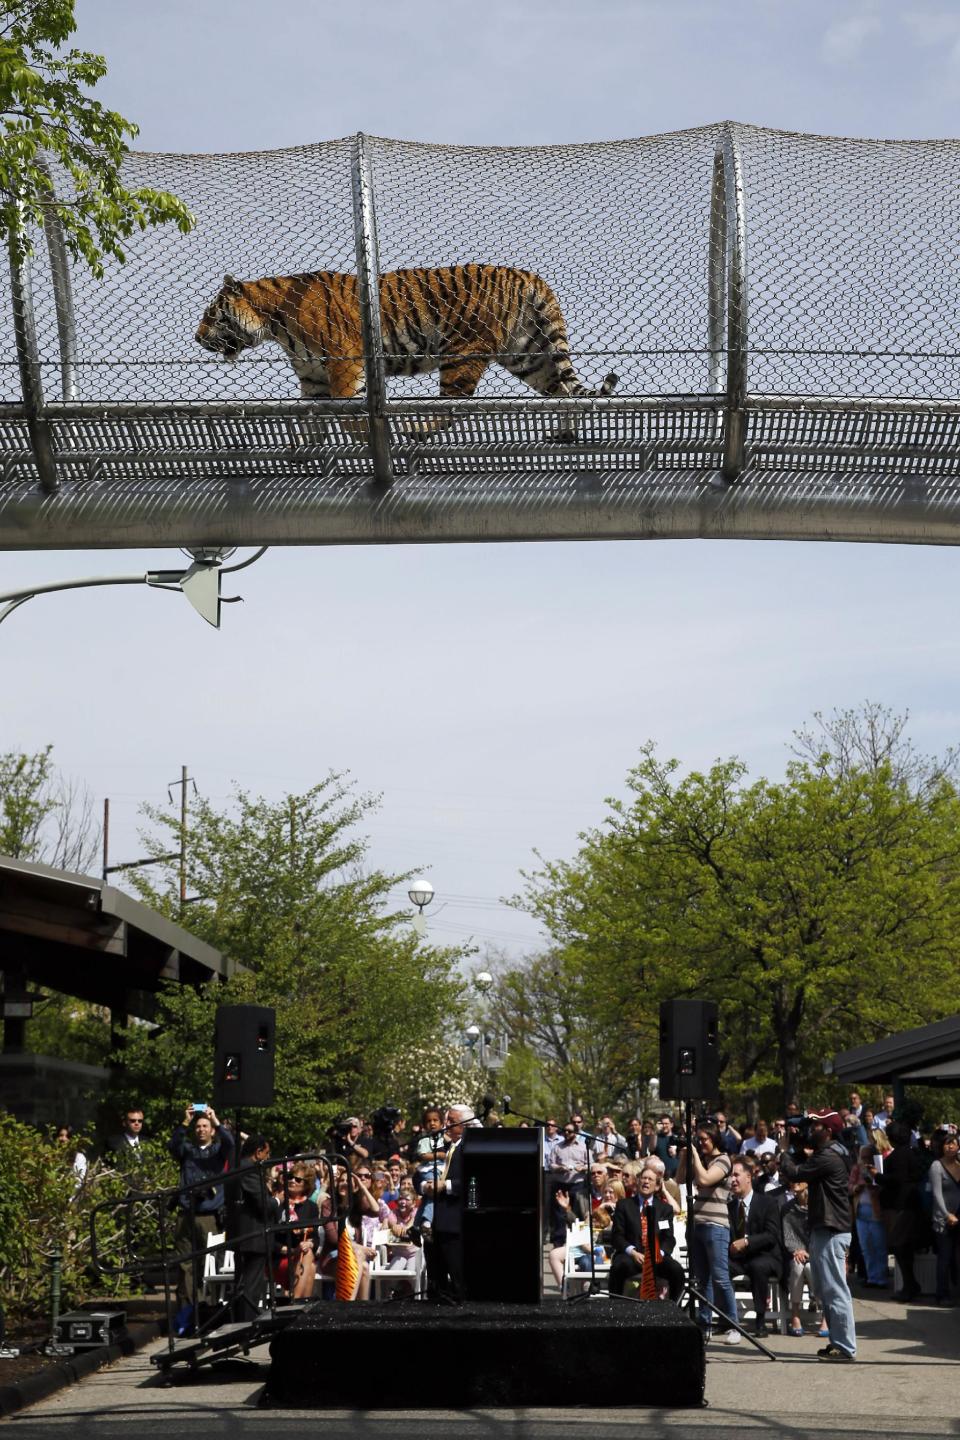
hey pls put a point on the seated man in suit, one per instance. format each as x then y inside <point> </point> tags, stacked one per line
<point>756,1238</point>
<point>644,1222</point>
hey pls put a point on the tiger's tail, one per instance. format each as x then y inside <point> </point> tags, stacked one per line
<point>554,373</point>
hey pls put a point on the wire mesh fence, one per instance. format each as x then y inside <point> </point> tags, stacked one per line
<point>514,327</point>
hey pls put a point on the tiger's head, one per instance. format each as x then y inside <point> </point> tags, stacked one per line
<point>231,322</point>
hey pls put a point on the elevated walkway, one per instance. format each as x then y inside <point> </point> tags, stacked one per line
<point>783,313</point>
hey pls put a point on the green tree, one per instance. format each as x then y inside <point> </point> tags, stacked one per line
<point>800,906</point>
<point>547,1009</point>
<point>43,815</point>
<point>47,115</point>
<point>283,888</point>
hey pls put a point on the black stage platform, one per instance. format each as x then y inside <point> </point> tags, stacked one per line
<point>600,1352</point>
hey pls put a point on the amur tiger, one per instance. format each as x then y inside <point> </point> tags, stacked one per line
<point>457,319</point>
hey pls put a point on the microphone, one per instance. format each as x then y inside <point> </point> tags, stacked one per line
<point>505,1105</point>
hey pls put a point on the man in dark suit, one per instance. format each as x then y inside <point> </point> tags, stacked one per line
<point>642,1222</point>
<point>447,1235</point>
<point>756,1236</point>
<point>124,1147</point>
<point>249,1206</point>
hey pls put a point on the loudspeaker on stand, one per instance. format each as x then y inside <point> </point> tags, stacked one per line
<point>689,1050</point>
<point>244,1058</point>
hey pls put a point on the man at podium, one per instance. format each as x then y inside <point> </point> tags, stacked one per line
<point>447,1248</point>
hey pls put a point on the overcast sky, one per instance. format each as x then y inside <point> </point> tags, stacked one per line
<point>493,695</point>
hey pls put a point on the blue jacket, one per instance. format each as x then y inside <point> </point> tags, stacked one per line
<point>206,1164</point>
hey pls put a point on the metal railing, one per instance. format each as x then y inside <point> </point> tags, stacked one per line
<point>821,400</point>
<point>153,1211</point>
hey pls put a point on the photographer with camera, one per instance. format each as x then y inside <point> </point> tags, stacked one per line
<point>344,1136</point>
<point>818,1156</point>
<point>385,1141</point>
<point>204,1157</point>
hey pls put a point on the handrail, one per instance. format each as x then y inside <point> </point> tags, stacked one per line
<point>169,1259</point>
<point>368,286</point>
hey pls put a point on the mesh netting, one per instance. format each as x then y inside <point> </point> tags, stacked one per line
<point>514,284</point>
<point>854,286</point>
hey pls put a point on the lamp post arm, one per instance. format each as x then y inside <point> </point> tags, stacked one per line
<point>159,579</point>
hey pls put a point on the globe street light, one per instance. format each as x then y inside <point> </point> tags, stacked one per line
<point>421,892</point>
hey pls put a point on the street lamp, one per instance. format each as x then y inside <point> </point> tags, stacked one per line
<point>483,981</point>
<point>421,892</point>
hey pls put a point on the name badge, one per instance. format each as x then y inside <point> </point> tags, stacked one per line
<point>663,1224</point>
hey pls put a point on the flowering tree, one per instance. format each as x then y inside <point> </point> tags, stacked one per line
<point>431,1074</point>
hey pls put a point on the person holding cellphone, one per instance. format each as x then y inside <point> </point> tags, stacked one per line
<point>204,1156</point>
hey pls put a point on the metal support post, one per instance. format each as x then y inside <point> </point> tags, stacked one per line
<point>735,254</point>
<point>53,1345</point>
<point>368,283</point>
<point>717,277</point>
<point>62,292</point>
<point>28,361</point>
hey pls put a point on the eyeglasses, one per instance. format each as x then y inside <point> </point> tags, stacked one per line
<point>363,1175</point>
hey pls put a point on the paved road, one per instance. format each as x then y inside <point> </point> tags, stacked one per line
<point>906,1382</point>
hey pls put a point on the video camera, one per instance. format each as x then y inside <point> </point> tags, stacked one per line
<point>339,1137</point>
<point>385,1119</point>
<point>799,1141</point>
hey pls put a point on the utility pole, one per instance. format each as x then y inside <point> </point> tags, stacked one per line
<point>183,782</point>
<point>106,839</point>
<point>179,855</point>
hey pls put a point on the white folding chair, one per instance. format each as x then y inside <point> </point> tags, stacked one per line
<point>218,1270</point>
<point>381,1276</point>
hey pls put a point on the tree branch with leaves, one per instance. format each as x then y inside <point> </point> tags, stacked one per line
<point>48,121</point>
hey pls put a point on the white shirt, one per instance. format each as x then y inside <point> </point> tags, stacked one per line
<point>758,1147</point>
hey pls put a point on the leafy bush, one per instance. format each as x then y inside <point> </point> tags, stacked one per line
<point>44,1207</point>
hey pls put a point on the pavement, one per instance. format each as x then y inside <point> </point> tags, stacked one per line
<point>906,1382</point>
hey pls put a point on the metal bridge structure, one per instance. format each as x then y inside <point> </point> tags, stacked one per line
<point>782,311</point>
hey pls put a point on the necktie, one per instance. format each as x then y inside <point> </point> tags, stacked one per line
<point>741,1220</point>
<point>446,1166</point>
<point>651,1253</point>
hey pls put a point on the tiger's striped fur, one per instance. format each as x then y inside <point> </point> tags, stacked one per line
<point>457,319</point>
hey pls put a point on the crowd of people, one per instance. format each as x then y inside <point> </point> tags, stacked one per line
<point>809,1201</point>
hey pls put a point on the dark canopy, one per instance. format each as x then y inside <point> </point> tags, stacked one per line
<point>930,1055</point>
<point>85,938</point>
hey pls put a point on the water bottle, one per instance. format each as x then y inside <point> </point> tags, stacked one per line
<point>472,1193</point>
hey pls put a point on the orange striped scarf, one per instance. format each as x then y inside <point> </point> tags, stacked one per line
<point>651,1254</point>
<point>347,1268</point>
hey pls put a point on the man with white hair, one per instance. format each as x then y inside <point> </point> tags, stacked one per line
<point>447,1220</point>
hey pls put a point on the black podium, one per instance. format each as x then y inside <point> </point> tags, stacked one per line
<point>502,1195</point>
